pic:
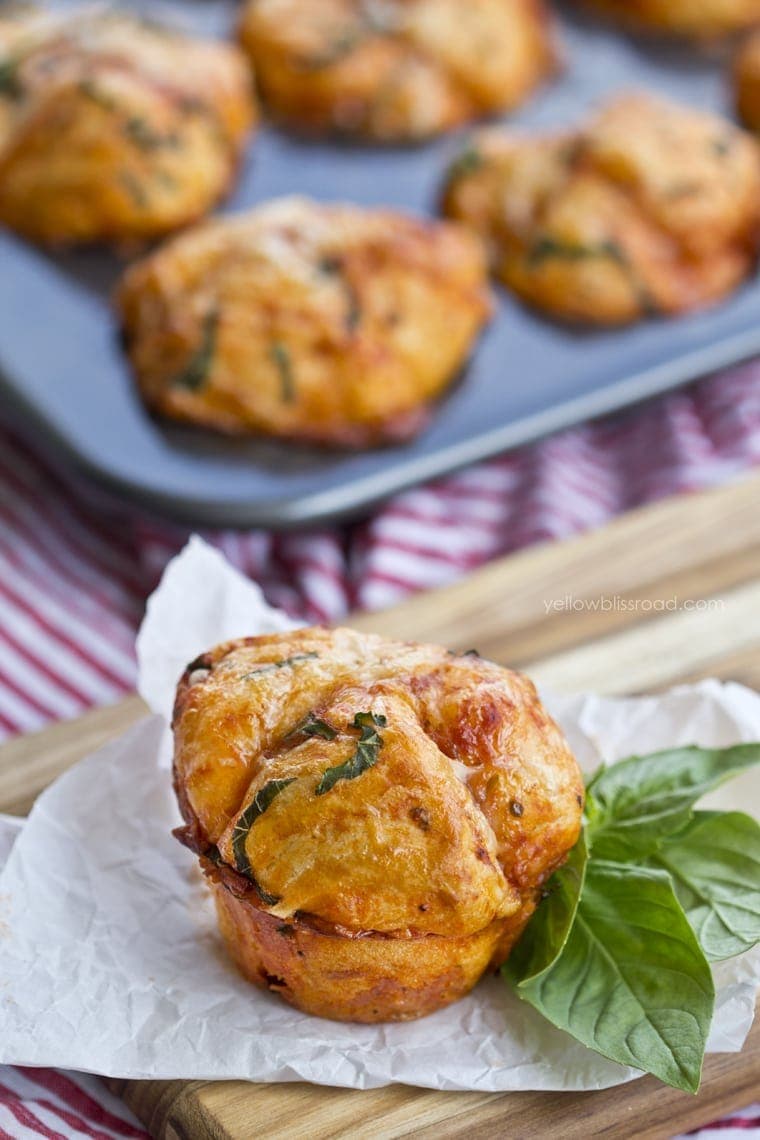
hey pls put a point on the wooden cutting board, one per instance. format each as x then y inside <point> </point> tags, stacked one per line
<point>665,594</point>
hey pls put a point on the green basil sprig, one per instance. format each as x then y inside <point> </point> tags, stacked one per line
<point>273,666</point>
<point>366,755</point>
<point>312,725</point>
<point>715,867</point>
<point>618,951</point>
<point>634,804</point>
<point>258,805</point>
<point>195,373</point>
<point>282,360</point>
<point>10,83</point>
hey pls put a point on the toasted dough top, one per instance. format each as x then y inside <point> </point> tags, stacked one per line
<point>377,786</point>
<point>113,127</point>
<point>649,207</point>
<point>304,320</point>
<point>395,69</point>
<point>700,19</point>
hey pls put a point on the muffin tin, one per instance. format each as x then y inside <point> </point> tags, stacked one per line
<point>64,377</point>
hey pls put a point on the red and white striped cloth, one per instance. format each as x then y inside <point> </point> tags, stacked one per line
<point>74,575</point>
<point>45,1102</point>
<point>59,1106</point>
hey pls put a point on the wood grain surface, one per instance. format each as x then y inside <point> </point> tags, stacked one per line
<point>664,594</point>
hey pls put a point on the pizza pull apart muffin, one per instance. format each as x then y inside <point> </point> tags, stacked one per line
<point>113,128</point>
<point>395,70</point>
<point>651,208</point>
<point>747,79</point>
<point>376,818</point>
<point>327,324</point>
<point>696,19</point>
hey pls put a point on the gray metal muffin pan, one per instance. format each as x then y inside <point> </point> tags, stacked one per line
<point>64,377</point>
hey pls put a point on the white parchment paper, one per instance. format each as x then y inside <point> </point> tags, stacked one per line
<point>109,956</point>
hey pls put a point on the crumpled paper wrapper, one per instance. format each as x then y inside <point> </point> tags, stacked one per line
<point>110,960</point>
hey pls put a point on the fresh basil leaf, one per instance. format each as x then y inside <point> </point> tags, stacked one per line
<point>365,756</point>
<point>91,91</point>
<point>631,982</point>
<point>632,805</point>
<point>720,147</point>
<point>311,725</point>
<point>195,373</point>
<point>550,248</point>
<point>140,132</point>
<point>270,900</point>
<point>341,47</point>
<point>258,805</point>
<point>273,666</point>
<point>10,83</point>
<point>466,163</point>
<point>715,866</point>
<point>280,357</point>
<point>544,938</point>
<point>137,192</point>
<point>334,267</point>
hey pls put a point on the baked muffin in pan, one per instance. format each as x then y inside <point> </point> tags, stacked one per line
<point>376,818</point>
<point>328,324</point>
<point>696,19</point>
<point>747,81</point>
<point>648,208</point>
<point>395,70</point>
<point>114,128</point>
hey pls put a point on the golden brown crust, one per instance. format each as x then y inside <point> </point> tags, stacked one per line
<point>395,70</point>
<point>650,208</point>
<point>328,324</point>
<point>697,19</point>
<point>373,979</point>
<point>425,802</point>
<point>747,81</point>
<point>115,129</point>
